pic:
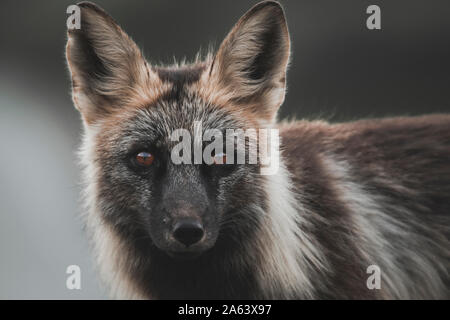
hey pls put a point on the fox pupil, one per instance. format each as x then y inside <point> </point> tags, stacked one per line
<point>145,158</point>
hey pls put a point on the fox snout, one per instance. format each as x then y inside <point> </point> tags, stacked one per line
<point>185,220</point>
<point>183,228</point>
<point>188,231</point>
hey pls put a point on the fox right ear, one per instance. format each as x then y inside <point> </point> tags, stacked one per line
<point>251,63</point>
<point>107,68</point>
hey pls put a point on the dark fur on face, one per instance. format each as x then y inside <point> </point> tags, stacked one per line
<point>143,204</point>
<point>346,196</point>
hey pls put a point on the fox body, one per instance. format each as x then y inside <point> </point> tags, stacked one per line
<point>345,196</point>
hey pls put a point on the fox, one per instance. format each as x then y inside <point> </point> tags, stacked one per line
<point>345,197</point>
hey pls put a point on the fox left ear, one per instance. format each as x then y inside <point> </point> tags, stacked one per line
<point>252,61</point>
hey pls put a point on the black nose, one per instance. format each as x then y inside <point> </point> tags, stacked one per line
<point>188,231</point>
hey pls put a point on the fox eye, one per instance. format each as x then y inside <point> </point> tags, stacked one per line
<point>145,159</point>
<point>220,158</point>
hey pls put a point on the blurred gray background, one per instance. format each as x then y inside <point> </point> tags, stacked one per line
<point>340,70</point>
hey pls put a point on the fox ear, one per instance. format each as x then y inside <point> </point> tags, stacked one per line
<point>252,60</point>
<point>106,66</point>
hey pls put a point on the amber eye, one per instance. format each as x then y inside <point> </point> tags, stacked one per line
<point>220,158</point>
<point>145,159</point>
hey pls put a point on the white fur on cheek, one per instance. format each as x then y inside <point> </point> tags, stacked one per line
<point>110,254</point>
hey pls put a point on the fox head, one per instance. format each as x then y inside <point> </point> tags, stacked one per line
<point>130,109</point>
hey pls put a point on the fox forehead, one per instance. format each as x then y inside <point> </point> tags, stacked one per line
<point>160,120</point>
<point>155,122</point>
<point>179,105</point>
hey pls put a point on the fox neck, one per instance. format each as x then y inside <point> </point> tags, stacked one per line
<point>291,260</point>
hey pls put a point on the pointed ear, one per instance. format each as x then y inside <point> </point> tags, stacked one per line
<point>252,60</point>
<point>106,66</point>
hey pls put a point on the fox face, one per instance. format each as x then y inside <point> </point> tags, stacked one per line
<point>131,109</point>
<point>177,207</point>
